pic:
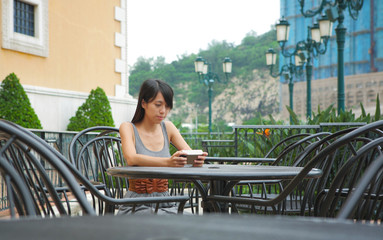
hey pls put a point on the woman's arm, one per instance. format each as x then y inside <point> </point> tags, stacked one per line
<point>134,159</point>
<point>180,143</point>
<point>175,137</point>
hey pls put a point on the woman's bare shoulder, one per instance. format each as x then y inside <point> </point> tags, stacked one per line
<point>126,127</point>
<point>170,126</point>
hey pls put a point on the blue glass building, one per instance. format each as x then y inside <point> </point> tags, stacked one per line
<point>363,52</point>
<point>364,39</point>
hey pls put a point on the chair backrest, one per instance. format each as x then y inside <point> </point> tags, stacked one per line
<point>328,154</point>
<point>93,156</point>
<point>365,202</point>
<point>19,199</point>
<point>49,181</point>
<point>290,153</point>
<point>278,148</point>
<point>84,136</point>
<point>330,200</point>
<point>96,156</point>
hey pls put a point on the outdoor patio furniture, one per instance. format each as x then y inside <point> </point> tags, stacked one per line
<point>294,146</point>
<point>181,227</point>
<point>365,201</point>
<point>334,152</point>
<point>19,200</point>
<point>221,178</point>
<point>35,159</point>
<point>357,189</point>
<point>51,185</point>
<point>92,158</point>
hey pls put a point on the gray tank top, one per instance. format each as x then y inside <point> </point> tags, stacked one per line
<point>141,149</point>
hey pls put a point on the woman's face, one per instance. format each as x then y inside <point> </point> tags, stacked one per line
<point>157,109</point>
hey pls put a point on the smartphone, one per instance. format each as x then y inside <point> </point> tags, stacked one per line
<point>191,155</point>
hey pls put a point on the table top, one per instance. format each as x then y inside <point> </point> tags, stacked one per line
<point>207,227</point>
<point>213,172</point>
<point>239,159</point>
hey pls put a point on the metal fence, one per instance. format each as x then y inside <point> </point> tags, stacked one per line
<point>257,140</point>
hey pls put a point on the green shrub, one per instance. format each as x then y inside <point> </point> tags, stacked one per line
<point>15,105</point>
<point>96,111</point>
<point>330,115</point>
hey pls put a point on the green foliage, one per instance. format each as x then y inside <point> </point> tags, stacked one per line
<point>15,105</point>
<point>293,116</point>
<point>330,115</point>
<point>259,120</point>
<point>246,57</point>
<point>96,111</point>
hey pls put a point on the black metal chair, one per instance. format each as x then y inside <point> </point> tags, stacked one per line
<point>294,146</point>
<point>334,152</point>
<point>19,200</point>
<point>93,157</point>
<point>365,202</point>
<point>85,136</point>
<point>284,144</point>
<point>357,189</point>
<point>50,183</point>
<point>34,159</point>
<point>330,200</point>
<point>284,152</point>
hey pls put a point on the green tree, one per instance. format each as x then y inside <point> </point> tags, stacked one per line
<point>96,111</point>
<point>246,57</point>
<point>15,105</point>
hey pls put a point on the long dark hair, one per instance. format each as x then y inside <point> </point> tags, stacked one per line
<point>148,92</point>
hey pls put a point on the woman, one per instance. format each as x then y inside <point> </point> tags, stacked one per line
<point>145,142</point>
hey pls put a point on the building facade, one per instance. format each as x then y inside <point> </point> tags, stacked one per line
<point>61,50</point>
<point>363,59</point>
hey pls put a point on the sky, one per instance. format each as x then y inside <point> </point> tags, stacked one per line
<point>171,28</point>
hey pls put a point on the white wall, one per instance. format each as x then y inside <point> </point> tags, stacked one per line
<point>55,107</point>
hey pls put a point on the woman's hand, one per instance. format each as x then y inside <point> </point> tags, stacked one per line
<point>200,160</point>
<point>177,159</point>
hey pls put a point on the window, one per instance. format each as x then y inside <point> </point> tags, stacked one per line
<point>25,26</point>
<point>24,18</point>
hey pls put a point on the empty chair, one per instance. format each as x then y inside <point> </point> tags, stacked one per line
<point>287,157</point>
<point>50,183</point>
<point>19,201</point>
<point>357,190</point>
<point>334,153</point>
<point>278,148</point>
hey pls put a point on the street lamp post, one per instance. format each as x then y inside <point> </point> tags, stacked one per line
<point>206,76</point>
<point>334,11</point>
<point>287,71</point>
<point>305,50</point>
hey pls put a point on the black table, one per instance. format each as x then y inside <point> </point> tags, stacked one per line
<point>207,227</point>
<point>222,178</point>
<point>236,160</point>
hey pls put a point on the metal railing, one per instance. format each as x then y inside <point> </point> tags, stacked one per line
<point>257,140</point>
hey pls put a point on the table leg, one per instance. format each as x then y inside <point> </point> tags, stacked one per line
<point>217,187</point>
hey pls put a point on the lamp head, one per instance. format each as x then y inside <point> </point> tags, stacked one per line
<point>283,28</point>
<point>271,57</point>
<point>325,27</point>
<point>198,64</point>
<point>227,65</point>
<point>315,33</point>
<point>205,67</point>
